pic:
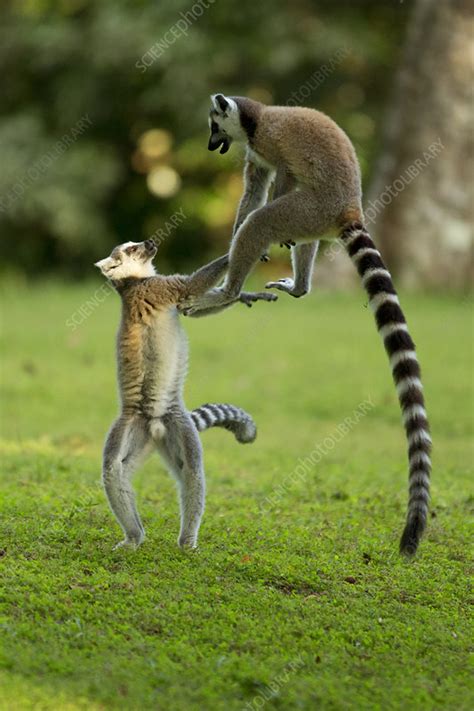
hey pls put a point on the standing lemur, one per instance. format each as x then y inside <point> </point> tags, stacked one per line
<point>152,360</point>
<point>317,195</point>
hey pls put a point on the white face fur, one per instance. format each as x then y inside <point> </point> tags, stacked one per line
<point>129,260</point>
<point>224,122</point>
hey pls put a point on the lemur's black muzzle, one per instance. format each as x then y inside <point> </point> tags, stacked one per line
<point>150,247</point>
<point>216,140</point>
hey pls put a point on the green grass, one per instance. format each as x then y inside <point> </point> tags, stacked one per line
<point>305,600</point>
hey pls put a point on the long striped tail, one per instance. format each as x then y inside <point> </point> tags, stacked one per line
<point>232,418</point>
<point>400,348</point>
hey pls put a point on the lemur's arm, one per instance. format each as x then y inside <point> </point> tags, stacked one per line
<point>257,181</point>
<point>171,290</point>
<point>284,183</point>
<point>206,277</point>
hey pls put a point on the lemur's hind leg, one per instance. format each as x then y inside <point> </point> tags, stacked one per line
<point>302,257</point>
<point>128,443</point>
<point>296,215</point>
<point>182,451</point>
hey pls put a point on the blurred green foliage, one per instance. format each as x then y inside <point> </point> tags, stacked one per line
<point>63,60</point>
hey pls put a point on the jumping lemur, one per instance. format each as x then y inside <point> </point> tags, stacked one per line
<point>317,195</point>
<point>152,359</point>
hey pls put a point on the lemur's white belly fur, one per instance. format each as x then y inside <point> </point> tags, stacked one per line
<point>164,362</point>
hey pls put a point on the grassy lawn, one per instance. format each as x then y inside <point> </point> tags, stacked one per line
<point>297,598</point>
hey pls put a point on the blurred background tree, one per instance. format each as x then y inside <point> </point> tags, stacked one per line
<point>426,232</point>
<point>143,158</point>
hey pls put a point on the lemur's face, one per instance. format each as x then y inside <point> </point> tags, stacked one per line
<point>224,122</point>
<point>129,260</point>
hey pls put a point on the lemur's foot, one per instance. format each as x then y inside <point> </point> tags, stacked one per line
<point>187,543</point>
<point>265,258</point>
<point>249,297</point>
<point>129,543</point>
<point>288,286</point>
<point>288,244</point>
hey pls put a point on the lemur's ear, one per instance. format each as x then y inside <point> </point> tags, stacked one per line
<point>220,102</point>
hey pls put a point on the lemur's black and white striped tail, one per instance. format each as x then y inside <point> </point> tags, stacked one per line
<point>228,416</point>
<point>400,348</point>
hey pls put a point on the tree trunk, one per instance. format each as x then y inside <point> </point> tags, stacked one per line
<point>419,206</point>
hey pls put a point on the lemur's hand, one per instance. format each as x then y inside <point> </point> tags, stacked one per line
<point>287,285</point>
<point>217,299</point>
<point>184,304</point>
<point>288,244</point>
<point>265,258</point>
<point>214,298</point>
<point>249,297</point>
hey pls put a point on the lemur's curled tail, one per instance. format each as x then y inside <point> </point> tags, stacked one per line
<point>400,348</point>
<point>232,418</point>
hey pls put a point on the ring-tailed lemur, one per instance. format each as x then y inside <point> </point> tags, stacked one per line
<point>317,195</point>
<point>152,359</point>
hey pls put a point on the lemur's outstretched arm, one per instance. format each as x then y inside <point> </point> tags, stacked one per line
<point>206,277</point>
<point>257,180</point>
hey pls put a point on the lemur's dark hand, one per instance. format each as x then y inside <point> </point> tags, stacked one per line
<point>288,244</point>
<point>249,297</point>
<point>265,258</point>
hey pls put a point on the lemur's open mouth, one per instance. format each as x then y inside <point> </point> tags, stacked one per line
<point>215,142</point>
